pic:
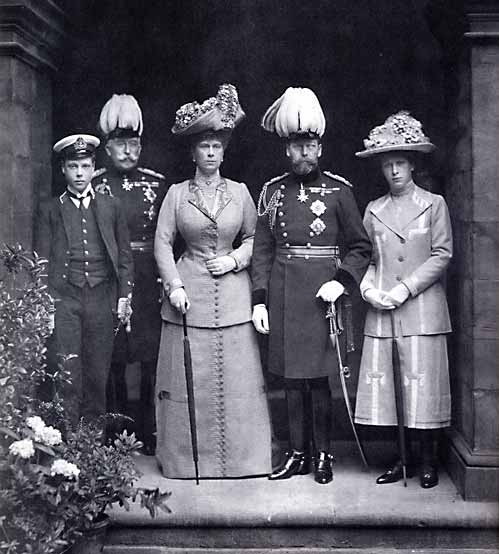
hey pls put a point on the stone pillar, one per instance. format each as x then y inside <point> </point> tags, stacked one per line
<point>472,195</point>
<point>31,33</point>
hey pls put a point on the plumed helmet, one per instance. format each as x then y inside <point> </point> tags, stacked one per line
<point>121,116</point>
<point>297,112</point>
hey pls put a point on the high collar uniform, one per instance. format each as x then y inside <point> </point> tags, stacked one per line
<point>140,192</point>
<point>308,212</point>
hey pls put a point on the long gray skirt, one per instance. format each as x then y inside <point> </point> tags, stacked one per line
<point>233,426</point>
<point>425,382</point>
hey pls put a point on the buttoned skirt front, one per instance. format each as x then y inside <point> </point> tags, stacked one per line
<point>232,417</point>
<point>425,382</point>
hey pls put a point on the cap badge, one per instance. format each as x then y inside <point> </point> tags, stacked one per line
<point>80,144</point>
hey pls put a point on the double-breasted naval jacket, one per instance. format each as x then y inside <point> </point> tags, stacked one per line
<point>216,301</point>
<point>141,192</point>
<point>303,220</point>
<point>413,247</point>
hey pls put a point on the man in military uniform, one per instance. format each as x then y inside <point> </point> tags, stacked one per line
<point>141,192</point>
<point>85,238</point>
<point>303,216</point>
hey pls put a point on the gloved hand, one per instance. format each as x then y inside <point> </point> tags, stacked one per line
<point>260,319</point>
<point>330,291</point>
<point>399,294</point>
<point>178,299</point>
<point>221,265</point>
<point>377,298</point>
<point>124,311</point>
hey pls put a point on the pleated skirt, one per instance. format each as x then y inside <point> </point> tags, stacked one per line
<point>232,416</point>
<point>425,382</point>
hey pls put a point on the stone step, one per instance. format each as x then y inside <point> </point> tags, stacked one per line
<point>299,550</point>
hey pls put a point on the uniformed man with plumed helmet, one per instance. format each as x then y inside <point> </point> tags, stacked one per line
<point>141,192</point>
<point>303,216</point>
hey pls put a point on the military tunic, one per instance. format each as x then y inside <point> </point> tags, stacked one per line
<point>302,214</point>
<point>141,192</point>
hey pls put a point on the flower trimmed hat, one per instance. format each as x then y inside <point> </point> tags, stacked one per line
<point>400,132</point>
<point>218,113</point>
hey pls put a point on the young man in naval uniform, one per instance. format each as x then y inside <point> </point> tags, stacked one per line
<point>141,192</point>
<point>303,216</point>
<point>84,236</point>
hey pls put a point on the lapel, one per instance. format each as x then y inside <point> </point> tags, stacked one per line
<point>222,198</point>
<point>384,210</point>
<point>65,207</point>
<point>104,222</point>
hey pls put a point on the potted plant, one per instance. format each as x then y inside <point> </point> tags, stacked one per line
<point>56,482</point>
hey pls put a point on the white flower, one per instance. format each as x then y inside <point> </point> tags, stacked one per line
<point>35,422</point>
<point>67,469</point>
<point>48,435</point>
<point>23,448</point>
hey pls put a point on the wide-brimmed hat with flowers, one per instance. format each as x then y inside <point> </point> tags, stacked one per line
<point>222,112</point>
<point>400,132</point>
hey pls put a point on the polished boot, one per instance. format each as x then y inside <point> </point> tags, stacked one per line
<point>323,468</point>
<point>296,463</point>
<point>395,473</point>
<point>428,476</point>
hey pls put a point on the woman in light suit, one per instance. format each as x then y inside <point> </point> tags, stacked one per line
<point>211,284</point>
<point>412,246</point>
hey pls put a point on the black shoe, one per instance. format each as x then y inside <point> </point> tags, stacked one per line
<point>296,463</point>
<point>323,468</point>
<point>395,474</point>
<point>428,476</point>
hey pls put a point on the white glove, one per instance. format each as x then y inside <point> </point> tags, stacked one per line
<point>398,295</point>
<point>124,311</point>
<point>377,298</point>
<point>179,300</point>
<point>330,291</point>
<point>260,319</point>
<point>221,265</point>
<point>51,322</point>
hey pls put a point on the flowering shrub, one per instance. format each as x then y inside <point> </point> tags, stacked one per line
<point>54,480</point>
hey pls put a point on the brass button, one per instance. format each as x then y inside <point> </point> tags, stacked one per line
<point>83,220</point>
<point>309,245</point>
<point>283,224</point>
<point>281,214</point>
<point>64,276</point>
<point>86,273</point>
<point>312,233</point>
<point>287,245</point>
<point>307,256</point>
<point>85,231</point>
<point>285,234</point>
<point>283,187</point>
<point>289,256</point>
<point>85,241</point>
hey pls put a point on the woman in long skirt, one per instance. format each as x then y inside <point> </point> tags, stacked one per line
<point>211,285</point>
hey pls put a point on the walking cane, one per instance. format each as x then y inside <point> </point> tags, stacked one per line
<point>190,397</point>
<point>399,398</point>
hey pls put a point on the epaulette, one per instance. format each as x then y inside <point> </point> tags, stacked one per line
<point>103,188</point>
<point>275,179</point>
<point>151,173</point>
<point>338,178</point>
<point>99,172</point>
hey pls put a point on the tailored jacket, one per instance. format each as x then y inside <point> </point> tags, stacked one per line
<point>311,211</point>
<point>216,301</point>
<point>52,241</point>
<point>415,250</point>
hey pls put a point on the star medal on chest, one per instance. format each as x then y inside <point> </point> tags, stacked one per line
<point>318,208</point>
<point>127,185</point>
<point>150,194</point>
<point>302,196</point>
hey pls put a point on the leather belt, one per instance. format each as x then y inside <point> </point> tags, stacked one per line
<point>142,245</point>
<point>309,252</point>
